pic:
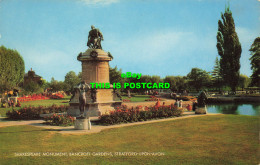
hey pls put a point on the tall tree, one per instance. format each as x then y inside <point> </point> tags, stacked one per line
<point>255,62</point>
<point>229,49</point>
<point>11,68</point>
<point>216,77</point>
<point>216,70</point>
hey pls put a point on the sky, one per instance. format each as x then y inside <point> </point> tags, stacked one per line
<point>152,37</point>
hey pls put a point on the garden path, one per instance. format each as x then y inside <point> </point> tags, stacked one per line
<point>94,128</point>
<point>6,123</point>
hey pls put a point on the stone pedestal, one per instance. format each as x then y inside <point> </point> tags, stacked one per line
<point>82,123</point>
<point>95,69</point>
<point>201,110</point>
<point>95,66</point>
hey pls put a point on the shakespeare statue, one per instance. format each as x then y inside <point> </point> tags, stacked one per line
<point>83,88</point>
<point>94,38</point>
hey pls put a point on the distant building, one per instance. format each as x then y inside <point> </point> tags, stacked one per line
<point>31,76</point>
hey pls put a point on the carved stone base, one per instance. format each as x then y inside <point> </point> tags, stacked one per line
<point>94,109</point>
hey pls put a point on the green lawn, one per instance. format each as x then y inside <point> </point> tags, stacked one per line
<point>37,103</point>
<point>137,98</point>
<point>221,139</point>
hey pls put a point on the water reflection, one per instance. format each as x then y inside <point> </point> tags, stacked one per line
<point>235,108</point>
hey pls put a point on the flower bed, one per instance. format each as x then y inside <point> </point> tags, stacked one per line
<point>45,96</point>
<point>33,113</point>
<point>59,120</point>
<point>139,113</point>
<point>32,98</point>
<point>57,96</point>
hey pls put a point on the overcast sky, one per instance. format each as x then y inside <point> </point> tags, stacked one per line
<point>154,37</point>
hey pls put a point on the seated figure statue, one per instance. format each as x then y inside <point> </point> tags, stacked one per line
<point>94,38</point>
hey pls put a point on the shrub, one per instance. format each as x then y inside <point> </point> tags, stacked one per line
<point>33,113</point>
<point>26,113</point>
<point>124,114</point>
<point>60,120</point>
<point>187,98</point>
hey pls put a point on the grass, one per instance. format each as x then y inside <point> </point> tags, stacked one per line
<point>37,103</point>
<point>221,139</point>
<point>137,98</point>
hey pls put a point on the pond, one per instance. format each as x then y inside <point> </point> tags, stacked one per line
<point>235,108</point>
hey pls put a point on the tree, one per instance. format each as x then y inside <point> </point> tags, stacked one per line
<point>44,84</point>
<point>56,85</point>
<point>11,68</point>
<point>229,49</point>
<point>80,75</point>
<point>244,81</point>
<point>216,77</point>
<point>156,79</point>
<point>255,62</point>
<point>199,78</point>
<point>115,75</point>
<point>144,79</point>
<point>33,87</point>
<point>177,83</point>
<point>216,71</point>
<point>71,79</point>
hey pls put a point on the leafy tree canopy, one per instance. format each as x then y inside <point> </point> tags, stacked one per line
<point>244,81</point>
<point>199,78</point>
<point>11,68</point>
<point>255,62</point>
<point>177,83</point>
<point>71,79</point>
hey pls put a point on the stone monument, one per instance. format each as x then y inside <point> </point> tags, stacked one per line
<point>95,69</point>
